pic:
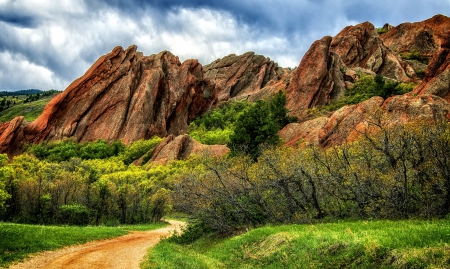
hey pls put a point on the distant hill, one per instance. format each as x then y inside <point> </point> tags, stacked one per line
<point>21,92</point>
<point>26,104</point>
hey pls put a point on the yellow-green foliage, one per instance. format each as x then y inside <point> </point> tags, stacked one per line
<point>5,173</point>
<point>140,149</point>
<point>391,172</point>
<point>90,191</point>
<point>216,126</point>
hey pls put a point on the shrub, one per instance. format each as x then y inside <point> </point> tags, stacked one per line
<point>74,214</point>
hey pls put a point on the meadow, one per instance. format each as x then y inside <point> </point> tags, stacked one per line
<point>345,244</point>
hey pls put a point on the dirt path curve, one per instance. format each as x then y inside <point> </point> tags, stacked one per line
<point>122,252</point>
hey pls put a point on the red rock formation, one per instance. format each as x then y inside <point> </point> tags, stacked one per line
<point>361,46</point>
<point>181,147</point>
<point>345,124</point>
<point>11,136</point>
<point>425,37</point>
<point>322,74</point>
<point>437,75</point>
<point>126,96</point>
<point>317,80</point>
<point>242,76</point>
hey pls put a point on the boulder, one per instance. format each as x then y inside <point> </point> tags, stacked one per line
<point>181,147</point>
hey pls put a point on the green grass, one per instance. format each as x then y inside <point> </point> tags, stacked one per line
<point>17,241</point>
<point>30,110</point>
<point>360,244</point>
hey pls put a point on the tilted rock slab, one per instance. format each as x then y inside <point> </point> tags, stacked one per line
<point>125,96</point>
<point>243,75</point>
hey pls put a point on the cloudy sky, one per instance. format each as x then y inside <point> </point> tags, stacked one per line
<point>46,44</point>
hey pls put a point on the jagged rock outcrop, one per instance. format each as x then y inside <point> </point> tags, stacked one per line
<point>317,80</point>
<point>361,46</point>
<point>347,123</point>
<point>182,146</point>
<point>437,74</point>
<point>245,75</point>
<point>425,37</point>
<point>325,72</point>
<point>11,136</point>
<point>126,96</point>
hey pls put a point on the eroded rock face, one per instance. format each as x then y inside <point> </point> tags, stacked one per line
<point>437,75</point>
<point>361,46</point>
<point>126,96</point>
<point>317,80</point>
<point>243,76</point>
<point>181,147</point>
<point>347,123</point>
<point>328,68</point>
<point>425,37</point>
<point>11,136</point>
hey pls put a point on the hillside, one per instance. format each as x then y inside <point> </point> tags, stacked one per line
<point>357,244</point>
<point>30,110</point>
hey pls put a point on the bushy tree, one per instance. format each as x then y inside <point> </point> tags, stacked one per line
<point>258,126</point>
<point>254,128</point>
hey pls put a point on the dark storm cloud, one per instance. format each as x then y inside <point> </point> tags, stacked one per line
<point>17,19</point>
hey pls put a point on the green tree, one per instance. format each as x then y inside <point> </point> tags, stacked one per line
<point>254,128</point>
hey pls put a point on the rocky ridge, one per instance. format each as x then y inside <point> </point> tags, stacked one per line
<point>128,96</point>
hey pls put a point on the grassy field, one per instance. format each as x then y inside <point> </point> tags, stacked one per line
<point>361,244</point>
<point>17,241</point>
<point>29,110</point>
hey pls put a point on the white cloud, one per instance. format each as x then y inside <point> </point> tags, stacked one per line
<point>18,70</point>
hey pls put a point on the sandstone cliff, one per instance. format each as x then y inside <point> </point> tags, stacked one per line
<point>126,96</point>
<point>245,76</point>
<point>322,74</point>
<point>425,37</point>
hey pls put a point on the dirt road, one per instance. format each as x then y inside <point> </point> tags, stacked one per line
<point>122,252</point>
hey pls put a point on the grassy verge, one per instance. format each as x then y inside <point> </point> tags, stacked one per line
<point>374,244</point>
<point>17,241</point>
<point>30,110</point>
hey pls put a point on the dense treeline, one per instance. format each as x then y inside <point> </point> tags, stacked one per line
<point>392,172</point>
<point>21,92</point>
<point>65,187</point>
<point>10,99</point>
